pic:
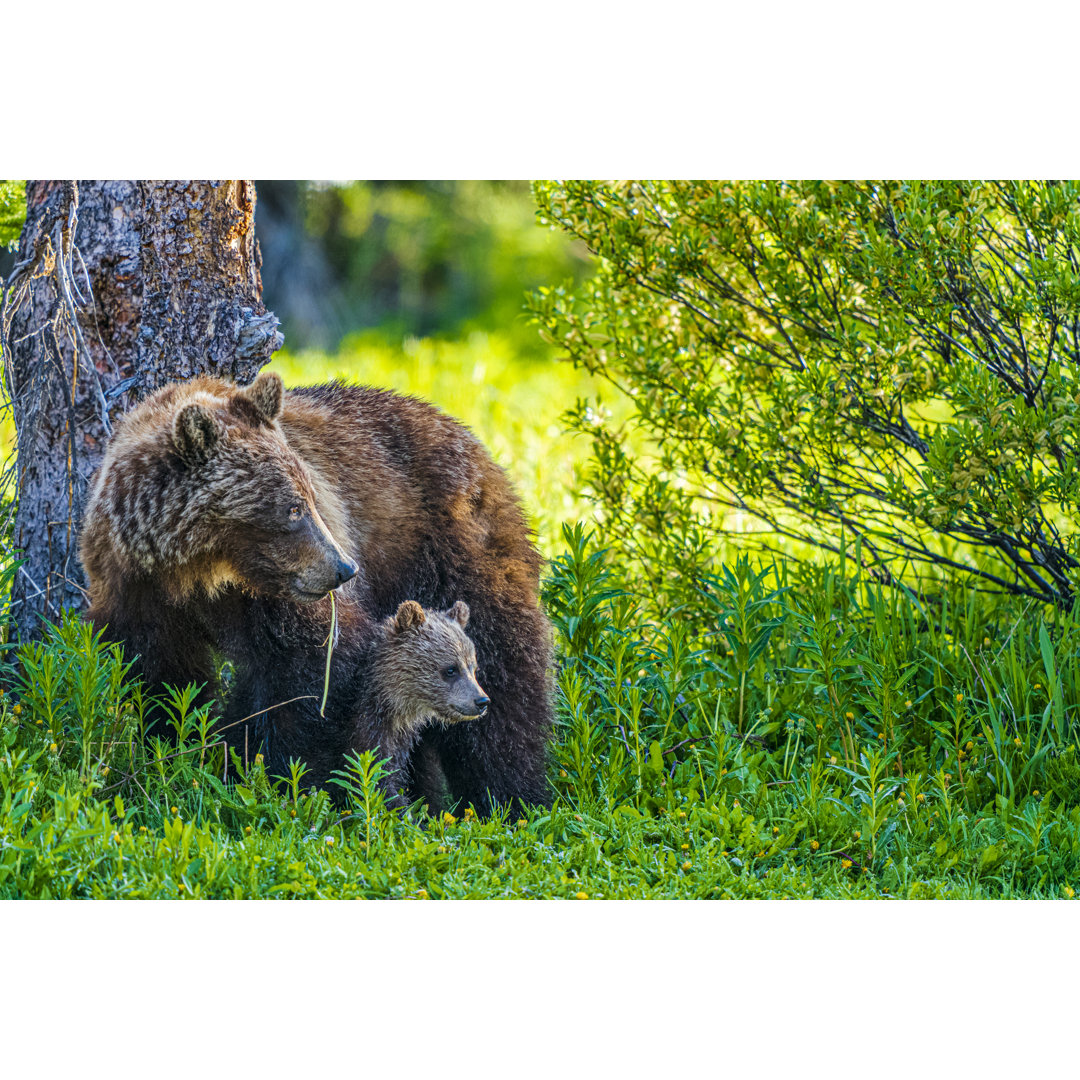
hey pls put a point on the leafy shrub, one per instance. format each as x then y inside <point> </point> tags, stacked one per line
<point>893,363</point>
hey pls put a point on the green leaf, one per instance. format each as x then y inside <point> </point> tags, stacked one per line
<point>656,757</point>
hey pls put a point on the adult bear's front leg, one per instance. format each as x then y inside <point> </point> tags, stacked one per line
<point>167,646</point>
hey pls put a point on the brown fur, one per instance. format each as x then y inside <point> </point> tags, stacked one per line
<point>186,550</point>
<point>421,670</point>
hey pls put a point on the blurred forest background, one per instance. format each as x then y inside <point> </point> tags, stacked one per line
<point>406,258</point>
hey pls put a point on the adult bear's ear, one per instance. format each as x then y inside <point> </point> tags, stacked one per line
<point>409,613</point>
<point>265,394</point>
<point>459,613</point>
<point>195,434</point>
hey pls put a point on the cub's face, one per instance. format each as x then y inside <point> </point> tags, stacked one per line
<point>224,501</point>
<point>432,663</point>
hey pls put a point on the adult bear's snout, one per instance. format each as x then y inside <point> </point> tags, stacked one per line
<point>346,569</point>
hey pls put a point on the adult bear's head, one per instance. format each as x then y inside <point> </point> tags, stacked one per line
<point>199,489</point>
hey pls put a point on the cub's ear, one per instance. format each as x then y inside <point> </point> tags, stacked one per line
<point>265,394</point>
<point>410,613</point>
<point>195,434</point>
<point>459,613</point>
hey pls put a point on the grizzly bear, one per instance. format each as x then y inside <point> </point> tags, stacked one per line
<point>421,671</point>
<point>222,517</point>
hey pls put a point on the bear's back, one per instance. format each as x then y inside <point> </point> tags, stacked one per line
<point>405,488</point>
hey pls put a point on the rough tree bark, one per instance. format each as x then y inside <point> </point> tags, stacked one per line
<point>118,287</point>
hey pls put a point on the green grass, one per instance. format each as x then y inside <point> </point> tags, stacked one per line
<point>657,794</point>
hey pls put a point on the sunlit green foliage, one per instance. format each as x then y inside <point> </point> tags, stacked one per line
<point>12,211</point>
<point>894,362</point>
<point>841,723</point>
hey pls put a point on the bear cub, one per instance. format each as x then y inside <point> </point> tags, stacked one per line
<point>421,669</point>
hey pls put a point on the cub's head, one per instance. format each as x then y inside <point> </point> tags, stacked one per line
<point>200,489</point>
<point>428,664</point>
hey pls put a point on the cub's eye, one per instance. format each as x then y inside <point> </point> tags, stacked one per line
<point>296,511</point>
<point>450,672</point>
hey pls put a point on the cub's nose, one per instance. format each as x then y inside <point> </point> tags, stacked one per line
<point>481,702</point>
<point>346,569</point>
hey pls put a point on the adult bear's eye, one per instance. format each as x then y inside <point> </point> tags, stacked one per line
<point>450,672</point>
<point>296,511</point>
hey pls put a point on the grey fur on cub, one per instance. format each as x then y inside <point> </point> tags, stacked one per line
<point>422,669</point>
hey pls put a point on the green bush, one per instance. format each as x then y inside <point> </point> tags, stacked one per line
<point>12,211</point>
<point>824,362</point>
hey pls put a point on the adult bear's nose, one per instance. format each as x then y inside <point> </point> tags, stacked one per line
<point>346,569</point>
<point>481,702</point>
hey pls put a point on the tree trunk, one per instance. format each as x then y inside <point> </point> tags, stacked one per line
<point>119,287</point>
